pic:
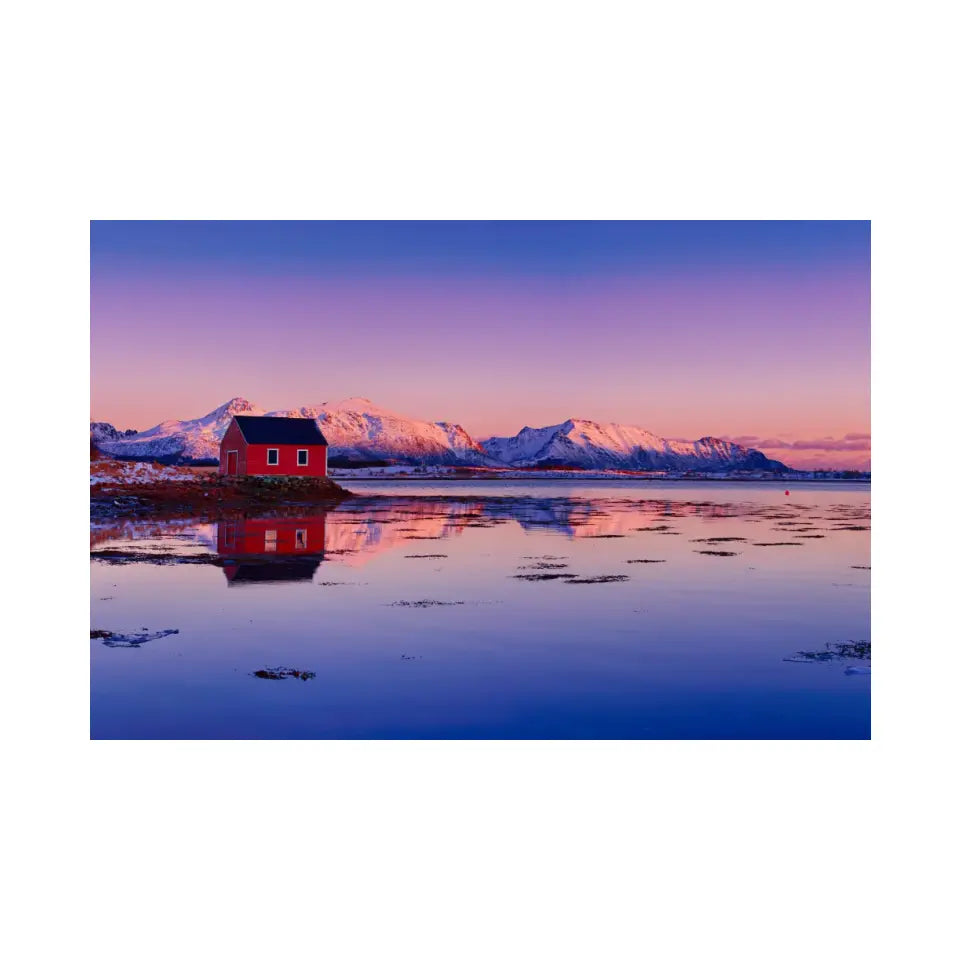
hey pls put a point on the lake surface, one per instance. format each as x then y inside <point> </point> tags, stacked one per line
<point>489,609</point>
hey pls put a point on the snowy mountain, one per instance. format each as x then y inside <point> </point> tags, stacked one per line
<point>356,429</point>
<point>178,441</point>
<point>100,431</point>
<point>359,431</point>
<point>583,443</point>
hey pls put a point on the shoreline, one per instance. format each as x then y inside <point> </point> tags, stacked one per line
<point>562,475</point>
<point>169,492</point>
<point>212,497</point>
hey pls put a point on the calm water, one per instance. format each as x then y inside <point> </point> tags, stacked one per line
<point>413,609</point>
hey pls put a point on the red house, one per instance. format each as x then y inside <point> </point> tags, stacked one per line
<point>273,447</point>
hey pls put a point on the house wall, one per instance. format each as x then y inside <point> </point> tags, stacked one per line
<point>255,463</point>
<point>233,440</point>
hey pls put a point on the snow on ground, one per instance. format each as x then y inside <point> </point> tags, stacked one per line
<point>396,470</point>
<point>400,472</point>
<point>127,472</point>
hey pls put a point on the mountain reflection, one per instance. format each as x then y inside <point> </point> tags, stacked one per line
<point>290,545</point>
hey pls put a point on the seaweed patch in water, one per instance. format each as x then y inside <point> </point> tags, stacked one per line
<point>858,650</point>
<point>720,540</point>
<point>111,639</point>
<point>543,576</point>
<point>603,536</point>
<point>159,557</point>
<point>426,603</point>
<point>718,553</point>
<point>605,578</point>
<point>778,543</point>
<point>424,556</point>
<point>646,561</point>
<point>281,673</point>
<point>859,568</point>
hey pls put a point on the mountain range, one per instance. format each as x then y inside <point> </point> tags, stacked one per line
<point>360,432</point>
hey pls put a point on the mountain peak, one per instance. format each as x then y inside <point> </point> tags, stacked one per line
<point>234,406</point>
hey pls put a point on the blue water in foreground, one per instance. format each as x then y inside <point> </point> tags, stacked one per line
<point>405,605</point>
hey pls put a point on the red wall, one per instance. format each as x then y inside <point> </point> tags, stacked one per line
<point>233,440</point>
<point>252,458</point>
<point>256,461</point>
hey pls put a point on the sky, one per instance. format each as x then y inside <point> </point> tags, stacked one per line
<point>757,331</point>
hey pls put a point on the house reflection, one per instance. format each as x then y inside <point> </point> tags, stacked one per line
<point>271,549</point>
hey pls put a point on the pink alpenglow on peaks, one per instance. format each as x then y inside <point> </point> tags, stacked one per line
<point>361,432</point>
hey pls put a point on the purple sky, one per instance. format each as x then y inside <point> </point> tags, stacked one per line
<point>757,331</point>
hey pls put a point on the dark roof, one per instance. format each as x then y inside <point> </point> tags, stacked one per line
<point>281,430</point>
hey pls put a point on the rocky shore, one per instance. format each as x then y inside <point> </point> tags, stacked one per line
<point>124,489</point>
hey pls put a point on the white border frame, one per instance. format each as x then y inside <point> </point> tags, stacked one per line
<point>746,832</point>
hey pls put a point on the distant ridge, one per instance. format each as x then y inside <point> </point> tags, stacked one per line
<point>584,443</point>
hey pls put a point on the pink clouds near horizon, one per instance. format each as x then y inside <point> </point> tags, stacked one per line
<point>851,452</point>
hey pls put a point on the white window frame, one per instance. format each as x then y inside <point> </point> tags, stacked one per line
<point>275,450</point>
<point>306,458</point>
<point>269,541</point>
<point>300,542</point>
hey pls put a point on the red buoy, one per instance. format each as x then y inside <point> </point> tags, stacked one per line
<point>786,493</point>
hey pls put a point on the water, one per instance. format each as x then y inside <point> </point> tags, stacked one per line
<point>404,610</point>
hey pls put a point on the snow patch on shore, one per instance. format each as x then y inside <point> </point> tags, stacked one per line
<point>133,473</point>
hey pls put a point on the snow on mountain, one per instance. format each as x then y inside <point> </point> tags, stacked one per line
<point>356,429</point>
<point>583,443</point>
<point>180,441</point>
<point>100,431</point>
<point>359,430</point>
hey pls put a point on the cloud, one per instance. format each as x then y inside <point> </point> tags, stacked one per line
<point>774,444</point>
<point>852,442</point>
<point>828,443</point>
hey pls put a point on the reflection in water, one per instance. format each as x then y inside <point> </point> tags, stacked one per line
<point>555,612</point>
<point>271,549</point>
<point>286,545</point>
